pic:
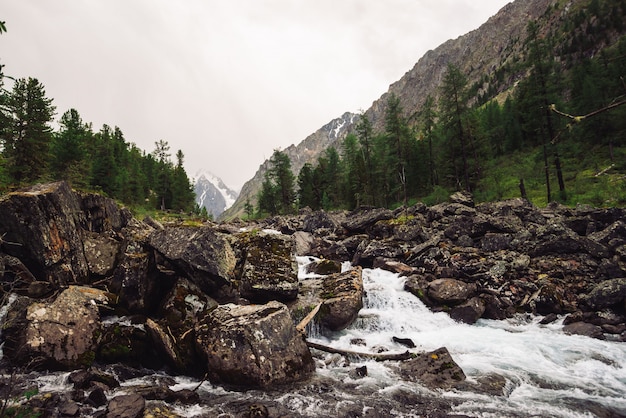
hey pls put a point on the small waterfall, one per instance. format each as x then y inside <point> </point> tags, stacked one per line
<point>548,373</point>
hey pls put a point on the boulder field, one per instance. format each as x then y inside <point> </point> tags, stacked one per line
<point>84,283</point>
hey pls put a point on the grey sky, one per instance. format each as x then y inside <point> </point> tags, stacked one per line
<point>225,81</point>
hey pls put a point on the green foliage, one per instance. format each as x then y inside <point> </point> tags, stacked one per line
<point>27,132</point>
<point>489,141</point>
<point>277,195</point>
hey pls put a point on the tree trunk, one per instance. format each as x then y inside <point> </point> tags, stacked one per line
<point>349,353</point>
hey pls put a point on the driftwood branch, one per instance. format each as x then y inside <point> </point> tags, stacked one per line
<point>302,325</point>
<point>578,119</point>
<point>349,353</point>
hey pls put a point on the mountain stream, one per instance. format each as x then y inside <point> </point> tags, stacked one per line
<point>548,373</point>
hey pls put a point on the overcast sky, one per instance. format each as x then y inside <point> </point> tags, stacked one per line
<point>225,81</point>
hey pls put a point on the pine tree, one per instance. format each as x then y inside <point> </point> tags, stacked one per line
<point>277,195</point>
<point>68,149</point>
<point>306,191</point>
<point>28,134</point>
<point>104,165</point>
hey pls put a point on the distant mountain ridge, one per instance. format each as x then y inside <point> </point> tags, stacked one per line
<point>487,56</point>
<point>306,151</point>
<point>213,194</point>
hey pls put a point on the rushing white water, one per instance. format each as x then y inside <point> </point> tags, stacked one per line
<point>548,373</point>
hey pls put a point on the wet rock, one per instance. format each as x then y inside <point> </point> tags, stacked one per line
<point>491,384</point>
<point>407,342</point>
<point>201,254</point>
<point>550,298</point>
<point>358,372</point>
<point>434,370</point>
<point>97,397</point>
<point>607,293</point>
<point>417,285</point>
<point>85,378</point>
<point>43,222</point>
<point>61,334</point>
<point>324,267</point>
<point>450,291</point>
<point>548,319</point>
<point>393,266</point>
<point>342,296</point>
<point>269,269</point>
<point>585,329</point>
<point>126,406</point>
<point>253,346</point>
<point>127,344</point>
<point>497,308</point>
<point>303,243</point>
<point>468,312</point>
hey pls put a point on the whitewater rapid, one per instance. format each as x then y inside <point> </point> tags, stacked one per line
<point>548,373</point>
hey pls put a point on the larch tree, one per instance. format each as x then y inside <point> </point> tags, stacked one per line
<point>453,111</point>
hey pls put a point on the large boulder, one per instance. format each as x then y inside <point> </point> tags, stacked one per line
<point>269,268</point>
<point>607,294</point>
<point>342,295</point>
<point>174,332</point>
<point>102,252</point>
<point>450,291</point>
<point>435,370</point>
<point>62,334</point>
<point>203,255</point>
<point>103,214</point>
<point>41,226</point>
<point>134,282</point>
<point>253,346</point>
<point>361,220</point>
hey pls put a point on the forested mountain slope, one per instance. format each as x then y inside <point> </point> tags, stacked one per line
<point>509,79</point>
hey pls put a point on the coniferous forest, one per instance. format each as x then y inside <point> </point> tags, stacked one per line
<point>558,134</point>
<point>103,161</point>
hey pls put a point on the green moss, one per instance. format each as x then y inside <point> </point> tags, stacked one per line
<point>87,358</point>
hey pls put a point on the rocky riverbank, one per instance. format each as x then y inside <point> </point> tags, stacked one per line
<point>91,290</point>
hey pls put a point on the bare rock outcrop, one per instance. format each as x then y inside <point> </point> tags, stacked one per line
<point>253,346</point>
<point>269,271</point>
<point>62,334</point>
<point>202,254</point>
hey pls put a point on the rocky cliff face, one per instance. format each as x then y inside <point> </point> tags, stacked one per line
<point>478,53</point>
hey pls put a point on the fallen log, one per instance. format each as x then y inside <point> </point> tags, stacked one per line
<point>302,325</point>
<point>349,353</point>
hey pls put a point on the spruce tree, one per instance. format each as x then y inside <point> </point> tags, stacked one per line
<point>28,134</point>
<point>68,150</point>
